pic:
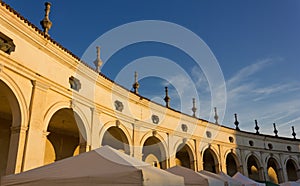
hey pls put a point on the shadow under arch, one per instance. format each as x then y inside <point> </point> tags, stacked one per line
<point>253,168</point>
<point>273,168</point>
<point>232,163</point>
<point>10,120</point>
<point>292,170</point>
<point>67,135</point>
<point>185,156</point>
<point>154,150</point>
<point>117,139</point>
<point>122,136</point>
<point>80,118</point>
<point>210,160</point>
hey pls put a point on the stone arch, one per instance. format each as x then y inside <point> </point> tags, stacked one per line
<point>125,134</point>
<point>84,128</point>
<point>273,172</point>
<point>210,160</point>
<point>185,155</point>
<point>291,170</point>
<point>10,128</point>
<point>232,163</point>
<point>253,167</point>
<point>117,139</point>
<point>157,135</point>
<point>66,131</point>
<point>154,146</point>
<point>22,118</point>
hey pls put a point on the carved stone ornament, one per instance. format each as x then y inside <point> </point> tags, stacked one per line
<point>6,44</point>
<point>119,105</point>
<point>208,134</point>
<point>184,127</point>
<point>118,123</point>
<point>74,83</point>
<point>155,119</point>
<point>72,104</point>
<point>154,133</point>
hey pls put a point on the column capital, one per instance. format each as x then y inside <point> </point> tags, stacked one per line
<point>45,133</point>
<point>40,85</point>
<point>95,110</point>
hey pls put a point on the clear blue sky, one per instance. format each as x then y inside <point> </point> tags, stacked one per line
<point>257,45</point>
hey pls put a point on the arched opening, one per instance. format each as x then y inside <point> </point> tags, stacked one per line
<point>10,116</point>
<point>210,162</point>
<point>117,139</point>
<point>291,170</point>
<point>253,168</point>
<point>272,168</point>
<point>154,152</point>
<point>231,165</point>
<point>66,134</point>
<point>184,157</point>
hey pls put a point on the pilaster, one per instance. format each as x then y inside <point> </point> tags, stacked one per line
<point>36,137</point>
<point>136,146</point>
<point>16,149</point>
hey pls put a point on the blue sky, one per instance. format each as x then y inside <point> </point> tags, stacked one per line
<point>256,43</point>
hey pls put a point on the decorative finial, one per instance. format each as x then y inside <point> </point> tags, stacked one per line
<point>236,123</point>
<point>275,130</point>
<point>256,127</point>
<point>293,132</point>
<point>167,98</point>
<point>194,109</point>
<point>216,115</point>
<point>98,62</point>
<point>46,23</point>
<point>136,84</point>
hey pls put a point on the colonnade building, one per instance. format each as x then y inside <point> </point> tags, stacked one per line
<point>53,106</point>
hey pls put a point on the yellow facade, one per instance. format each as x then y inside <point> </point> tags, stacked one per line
<point>43,119</point>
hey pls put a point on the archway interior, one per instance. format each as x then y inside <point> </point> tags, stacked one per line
<point>210,161</point>
<point>9,111</point>
<point>291,170</point>
<point>64,135</point>
<point>272,170</point>
<point>117,139</point>
<point>231,165</point>
<point>153,151</point>
<point>184,157</point>
<point>253,168</point>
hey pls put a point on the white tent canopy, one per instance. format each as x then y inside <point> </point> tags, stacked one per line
<point>291,183</point>
<point>191,178</point>
<point>230,180</point>
<point>226,179</point>
<point>212,181</point>
<point>246,181</point>
<point>103,166</point>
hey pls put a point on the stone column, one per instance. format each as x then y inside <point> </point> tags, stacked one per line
<point>243,163</point>
<point>198,163</point>
<point>263,174</point>
<point>263,170</point>
<point>136,150</point>
<point>172,160</point>
<point>284,173</point>
<point>94,130</point>
<point>280,175</point>
<point>83,145</point>
<point>36,137</point>
<point>16,149</point>
<point>222,163</point>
